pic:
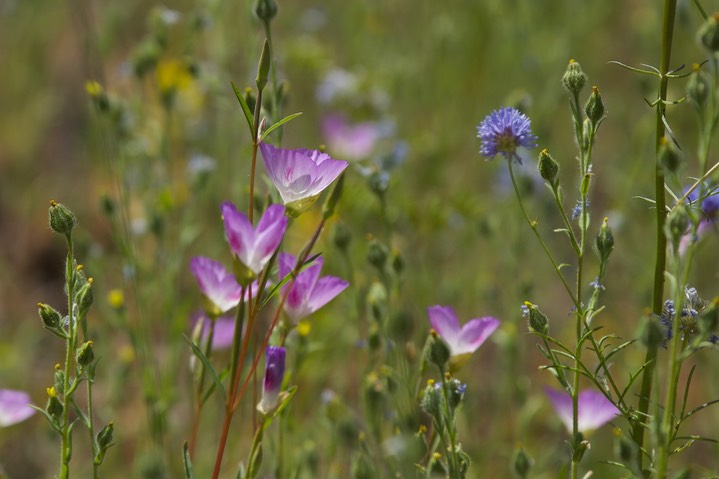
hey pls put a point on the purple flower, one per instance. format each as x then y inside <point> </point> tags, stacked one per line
<point>351,141</point>
<point>274,374</point>
<point>254,247</point>
<point>503,131</point>
<point>14,407</point>
<point>224,329</point>
<point>709,213</point>
<point>309,292</point>
<point>216,283</point>
<point>594,409</point>
<point>300,175</point>
<point>462,341</point>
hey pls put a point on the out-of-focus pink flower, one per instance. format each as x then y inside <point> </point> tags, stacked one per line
<point>350,141</point>
<point>309,292</point>
<point>218,286</point>
<point>594,409</point>
<point>14,407</point>
<point>254,247</point>
<point>224,329</point>
<point>462,341</point>
<point>300,175</point>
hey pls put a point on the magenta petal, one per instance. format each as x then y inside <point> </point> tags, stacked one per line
<point>285,264</point>
<point>562,403</point>
<point>216,283</point>
<point>445,322</point>
<point>224,332</point>
<point>328,171</point>
<point>14,407</point>
<point>474,333</point>
<point>239,232</point>
<point>325,290</point>
<point>270,231</point>
<point>595,410</point>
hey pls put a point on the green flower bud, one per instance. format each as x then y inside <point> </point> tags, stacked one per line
<point>668,156</point>
<point>436,350</point>
<point>265,9</point>
<point>397,261</point>
<point>54,407</point>
<point>104,437</point>
<point>574,78</point>
<point>84,354</point>
<point>604,242</point>
<point>62,220</point>
<point>595,106</point>
<point>59,379</point>
<point>377,300</point>
<point>263,69</point>
<point>51,317</point>
<point>538,322</point>
<point>342,236</point>
<point>651,333</point>
<point>677,224</point>
<point>108,205</point>
<point>431,401</point>
<point>455,392</point>
<point>85,298</point>
<point>377,254</point>
<point>709,33</point>
<point>547,166</point>
<point>698,87</point>
<point>521,462</point>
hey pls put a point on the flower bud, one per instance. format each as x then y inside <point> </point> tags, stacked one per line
<point>265,9</point>
<point>377,254</point>
<point>668,156</point>
<point>436,350</point>
<point>677,224</point>
<point>538,322</point>
<point>59,379</point>
<point>85,355</point>
<point>709,33</point>
<point>522,463</point>
<point>51,317</point>
<point>397,261</point>
<point>595,106</point>
<point>54,407</point>
<point>574,78</point>
<point>62,220</point>
<point>342,236</point>
<point>145,57</point>
<point>547,166</point>
<point>274,375</point>
<point>263,69</point>
<point>104,437</point>
<point>84,297</point>
<point>456,390</point>
<point>698,87</point>
<point>604,242</point>
<point>431,401</point>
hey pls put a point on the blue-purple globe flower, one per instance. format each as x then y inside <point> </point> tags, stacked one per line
<point>709,207</point>
<point>503,131</point>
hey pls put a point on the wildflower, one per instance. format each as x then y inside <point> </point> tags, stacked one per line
<point>14,407</point>
<point>503,131</point>
<point>254,247</point>
<point>309,292</point>
<point>274,374</point>
<point>462,341</point>
<point>709,215</point>
<point>218,286</point>
<point>352,141</point>
<point>594,409</point>
<point>300,175</point>
<point>224,329</point>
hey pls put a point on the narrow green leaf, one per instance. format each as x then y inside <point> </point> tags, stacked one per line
<point>245,108</point>
<point>208,366</point>
<point>279,124</point>
<point>189,474</point>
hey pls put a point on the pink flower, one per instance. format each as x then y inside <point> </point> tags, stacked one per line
<point>216,283</point>
<point>254,247</point>
<point>14,407</point>
<point>462,341</point>
<point>274,375</point>
<point>594,409</point>
<point>309,292</point>
<point>224,332</point>
<point>300,175</point>
<point>352,141</point>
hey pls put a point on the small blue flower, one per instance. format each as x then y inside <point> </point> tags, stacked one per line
<point>503,131</point>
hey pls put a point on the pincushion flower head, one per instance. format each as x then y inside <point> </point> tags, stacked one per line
<point>14,407</point>
<point>216,284</point>
<point>503,131</point>
<point>309,292</point>
<point>274,375</point>
<point>462,341</point>
<point>594,409</point>
<point>300,175</point>
<point>254,247</point>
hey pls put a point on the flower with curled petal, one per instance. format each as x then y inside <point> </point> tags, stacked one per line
<point>218,286</point>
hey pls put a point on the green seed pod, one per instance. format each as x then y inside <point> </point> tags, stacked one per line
<point>62,220</point>
<point>574,78</point>
<point>604,242</point>
<point>265,9</point>
<point>85,355</point>
<point>51,317</point>
<point>677,224</point>
<point>595,106</point>
<point>538,321</point>
<point>547,166</point>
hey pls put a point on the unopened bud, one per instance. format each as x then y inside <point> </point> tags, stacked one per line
<point>698,87</point>
<point>574,78</point>
<point>668,156</point>
<point>677,224</point>
<point>436,350</point>
<point>595,106</point>
<point>59,379</point>
<point>104,437</point>
<point>709,33</point>
<point>62,220</point>
<point>85,354</point>
<point>538,321</point>
<point>522,463</point>
<point>54,407</point>
<point>342,236</point>
<point>547,166</point>
<point>377,254</point>
<point>51,317</point>
<point>265,9</point>
<point>604,242</point>
<point>263,69</point>
<point>431,401</point>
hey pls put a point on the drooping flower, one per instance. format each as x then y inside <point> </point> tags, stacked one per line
<point>218,286</point>
<point>254,247</point>
<point>593,409</point>
<point>352,141</point>
<point>274,375</point>
<point>309,292</point>
<point>224,329</point>
<point>14,407</point>
<point>300,175</point>
<point>503,131</point>
<point>462,341</point>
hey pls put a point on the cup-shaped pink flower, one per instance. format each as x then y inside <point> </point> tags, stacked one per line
<point>218,286</point>
<point>309,292</point>
<point>14,407</point>
<point>254,247</point>
<point>300,175</point>
<point>464,340</point>
<point>352,141</point>
<point>594,409</point>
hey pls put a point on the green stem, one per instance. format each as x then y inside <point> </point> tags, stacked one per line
<point>660,259</point>
<point>66,444</point>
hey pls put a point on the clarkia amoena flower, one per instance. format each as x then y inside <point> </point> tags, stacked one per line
<point>14,407</point>
<point>352,141</point>
<point>309,292</point>
<point>594,409</point>
<point>503,131</point>
<point>300,175</point>
<point>462,341</point>
<point>274,374</point>
<point>218,286</point>
<point>254,247</point>
<point>224,329</point>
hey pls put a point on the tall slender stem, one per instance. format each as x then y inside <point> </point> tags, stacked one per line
<point>66,445</point>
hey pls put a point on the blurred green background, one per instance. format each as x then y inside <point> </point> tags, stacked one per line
<point>433,70</point>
